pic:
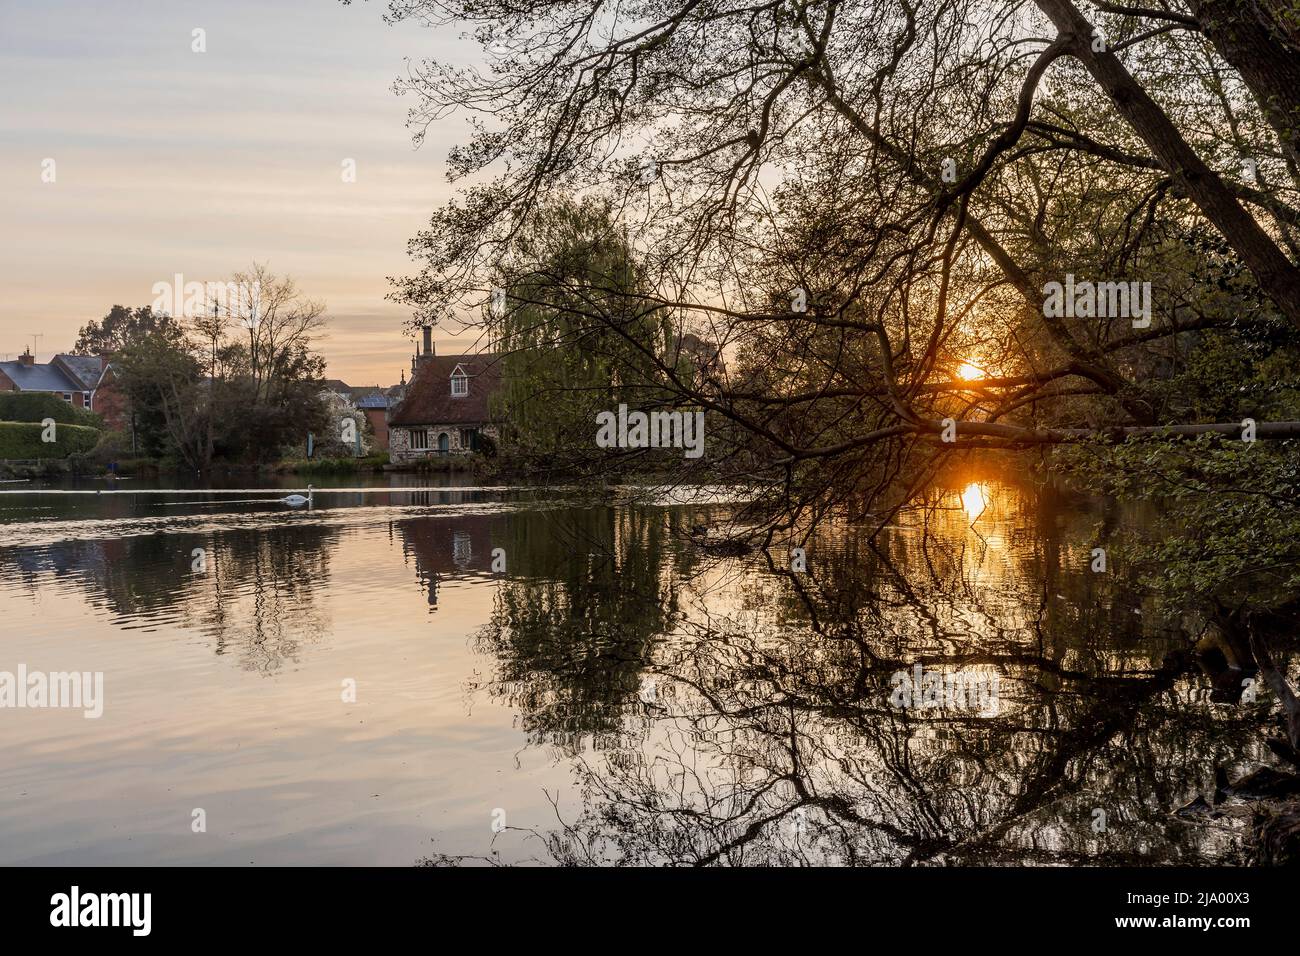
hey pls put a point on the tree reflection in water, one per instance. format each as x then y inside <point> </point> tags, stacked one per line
<point>770,738</point>
<point>256,600</point>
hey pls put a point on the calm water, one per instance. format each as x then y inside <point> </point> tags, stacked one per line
<point>618,694</point>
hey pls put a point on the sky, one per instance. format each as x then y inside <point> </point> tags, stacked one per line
<point>167,161</point>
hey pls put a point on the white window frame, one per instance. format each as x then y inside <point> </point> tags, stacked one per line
<point>462,380</point>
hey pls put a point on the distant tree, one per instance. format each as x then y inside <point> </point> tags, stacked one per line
<point>121,327</point>
<point>274,321</point>
<point>256,421</point>
<point>330,441</point>
<point>163,382</point>
<point>236,386</point>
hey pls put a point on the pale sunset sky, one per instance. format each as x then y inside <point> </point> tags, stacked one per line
<point>170,161</point>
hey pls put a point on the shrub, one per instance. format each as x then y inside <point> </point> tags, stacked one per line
<point>113,446</point>
<point>22,440</point>
<point>339,466</point>
<point>37,406</point>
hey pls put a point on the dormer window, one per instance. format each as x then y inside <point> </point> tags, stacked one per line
<point>459,384</point>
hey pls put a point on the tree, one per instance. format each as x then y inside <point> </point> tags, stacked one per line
<point>278,321</point>
<point>573,338</point>
<point>859,200</point>
<point>203,392</point>
<point>162,380</point>
<point>121,327</point>
<point>1188,171</point>
<point>338,411</point>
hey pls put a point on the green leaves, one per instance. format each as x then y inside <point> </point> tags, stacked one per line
<point>573,327</point>
<point>1232,513</point>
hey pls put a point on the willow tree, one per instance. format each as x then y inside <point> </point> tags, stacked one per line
<point>567,315</point>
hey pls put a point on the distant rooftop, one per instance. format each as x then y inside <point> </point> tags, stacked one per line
<point>40,378</point>
<point>429,399</point>
<point>87,368</point>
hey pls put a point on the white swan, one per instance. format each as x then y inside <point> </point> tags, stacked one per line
<point>297,501</point>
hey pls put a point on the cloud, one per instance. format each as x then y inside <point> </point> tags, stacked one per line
<point>174,161</point>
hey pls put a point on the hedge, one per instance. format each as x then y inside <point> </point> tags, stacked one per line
<point>22,440</point>
<point>38,406</point>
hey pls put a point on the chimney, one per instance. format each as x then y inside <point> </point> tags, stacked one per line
<point>27,358</point>
<point>426,353</point>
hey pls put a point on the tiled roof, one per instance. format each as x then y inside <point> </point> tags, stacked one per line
<point>86,368</point>
<point>429,400</point>
<point>39,378</point>
<point>338,385</point>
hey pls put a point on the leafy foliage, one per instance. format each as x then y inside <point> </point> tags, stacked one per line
<point>22,441</point>
<point>576,338</point>
<point>1233,510</point>
<point>121,327</point>
<point>239,387</point>
<point>36,406</point>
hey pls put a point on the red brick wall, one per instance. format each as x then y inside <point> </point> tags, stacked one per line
<point>109,402</point>
<point>379,422</point>
<point>7,384</point>
<point>78,398</point>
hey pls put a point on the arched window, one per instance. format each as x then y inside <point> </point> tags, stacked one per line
<point>443,443</point>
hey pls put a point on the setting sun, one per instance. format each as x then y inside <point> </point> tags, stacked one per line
<point>969,372</point>
<point>975,500</point>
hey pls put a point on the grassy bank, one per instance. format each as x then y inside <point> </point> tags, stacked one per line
<point>448,465</point>
<point>334,466</point>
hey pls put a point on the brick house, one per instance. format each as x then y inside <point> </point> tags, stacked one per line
<point>374,405</point>
<point>83,381</point>
<point>109,402</point>
<point>445,408</point>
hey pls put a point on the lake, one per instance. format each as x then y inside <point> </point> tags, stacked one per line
<point>462,674</point>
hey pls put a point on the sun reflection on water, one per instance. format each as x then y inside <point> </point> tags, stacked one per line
<point>975,500</point>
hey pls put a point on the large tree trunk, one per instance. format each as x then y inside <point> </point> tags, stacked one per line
<point>1276,275</point>
<point>1261,39</point>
